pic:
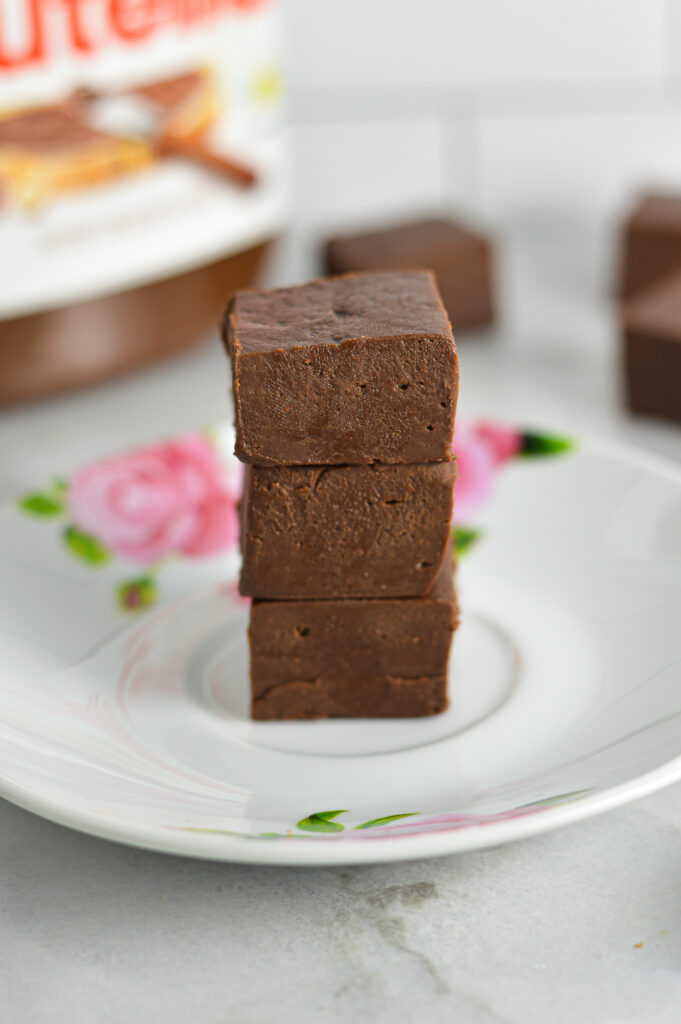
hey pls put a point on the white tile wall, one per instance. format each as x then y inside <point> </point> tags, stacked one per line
<point>364,169</point>
<point>566,181</point>
<point>573,169</point>
<point>540,117</point>
<point>672,39</point>
<point>372,42</point>
<point>348,174</point>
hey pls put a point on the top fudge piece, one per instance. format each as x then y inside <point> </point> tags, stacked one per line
<point>460,258</point>
<point>651,242</point>
<point>354,369</point>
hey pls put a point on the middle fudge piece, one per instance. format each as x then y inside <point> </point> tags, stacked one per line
<point>347,370</point>
<point>344,531</point>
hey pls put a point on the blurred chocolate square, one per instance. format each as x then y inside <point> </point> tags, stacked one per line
<point>651,329</point>
<point>651,242</point>
<point>461,259</point>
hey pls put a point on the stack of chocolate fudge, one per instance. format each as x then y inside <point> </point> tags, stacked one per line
<point>345,393</point>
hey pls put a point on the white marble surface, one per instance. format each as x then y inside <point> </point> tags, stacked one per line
<point>582,925</point>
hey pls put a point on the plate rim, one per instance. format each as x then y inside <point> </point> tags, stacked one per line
<point>305,851</point>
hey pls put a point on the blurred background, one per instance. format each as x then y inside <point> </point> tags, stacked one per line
<point>537,123</point>
<point>541,122</point>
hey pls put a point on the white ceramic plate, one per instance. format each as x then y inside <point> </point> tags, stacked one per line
<point>565,676</point>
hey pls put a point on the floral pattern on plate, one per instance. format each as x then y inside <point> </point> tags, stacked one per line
<point>326,824</point>
<point>567,668</point>
<point>179,498</point>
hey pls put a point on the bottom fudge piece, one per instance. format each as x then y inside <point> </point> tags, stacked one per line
<point>651,325</point>
<point>353,658</point>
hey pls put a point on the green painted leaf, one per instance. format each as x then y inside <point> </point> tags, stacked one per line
<point>86,547</point>
<point>463,538</point>
<point>40,504</point>
<point>136,595</point>
<point>321,822</point>
<point>544,444</point>
<point>376,822</point>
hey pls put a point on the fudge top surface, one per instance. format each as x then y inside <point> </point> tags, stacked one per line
<point>658,211</point>
<point>338,309</point>
<point>657,310</point>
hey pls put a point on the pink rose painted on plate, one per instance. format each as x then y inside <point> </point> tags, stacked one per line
<point>167,499</point>
<point>481,448</point>
<point>179,499</point>
<point>475,467</point>
<point>176,499</point>
<point>503,442</point>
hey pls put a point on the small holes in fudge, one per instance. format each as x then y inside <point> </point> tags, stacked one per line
<point>443,405</point>
<point>429,427</point>
<point>361,386</point>
<point>393,501</point>
<point>403,387</point>
<point>301,630</point>
<point>341,313</point>
<point>423,565</point>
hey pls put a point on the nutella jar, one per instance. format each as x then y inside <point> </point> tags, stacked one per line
<point>142,174</point>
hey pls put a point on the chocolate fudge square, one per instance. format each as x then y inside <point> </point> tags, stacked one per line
<point>344,531</point>
<point>461,259</point>
<point>346,370</point>
<point>651,243</point>
<point>356,658</point>
<point>651,326</point>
